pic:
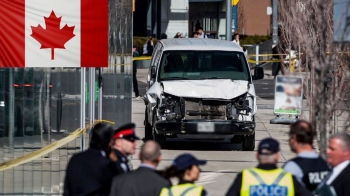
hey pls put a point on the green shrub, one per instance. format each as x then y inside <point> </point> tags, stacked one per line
<point>253,39</point>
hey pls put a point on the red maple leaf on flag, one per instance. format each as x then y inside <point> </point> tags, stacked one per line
<point>52,37</point>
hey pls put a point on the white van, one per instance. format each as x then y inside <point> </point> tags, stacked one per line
<point>200,89</point>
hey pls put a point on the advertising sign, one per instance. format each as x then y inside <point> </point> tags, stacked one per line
<point>234,18</point>
<point>288,95</point>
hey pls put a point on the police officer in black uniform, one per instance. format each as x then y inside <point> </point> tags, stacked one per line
<point>308,167</point>
<point>124,144</point>
<point>91,172</point>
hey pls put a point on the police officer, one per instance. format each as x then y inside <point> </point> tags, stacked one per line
<point>186,168</point>
<point>91,172</point>
<point>266,178</point>
<point>124,144</point>
<point>308,167</point>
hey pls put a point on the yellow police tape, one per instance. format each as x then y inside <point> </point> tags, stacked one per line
<point>47,149</point>
<point>141,58</point>
<point>263,61</point>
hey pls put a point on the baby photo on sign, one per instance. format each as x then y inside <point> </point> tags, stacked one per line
<point>288,95</point>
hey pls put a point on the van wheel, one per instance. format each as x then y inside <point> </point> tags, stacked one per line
<point>248,143</point>
<point>159,138</point>
<point>148,128</point>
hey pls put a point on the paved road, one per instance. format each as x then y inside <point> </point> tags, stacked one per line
<point>225,160</point>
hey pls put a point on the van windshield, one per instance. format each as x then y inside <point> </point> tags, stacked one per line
<point>201,65</point>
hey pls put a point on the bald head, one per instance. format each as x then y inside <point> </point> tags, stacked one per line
<point>150,152</point>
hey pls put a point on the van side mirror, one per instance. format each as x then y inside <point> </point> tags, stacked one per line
<point>153,72</point>
<point>258,73</point>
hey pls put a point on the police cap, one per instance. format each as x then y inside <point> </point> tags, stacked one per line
<point>268,146</point>
<point>126,131</point>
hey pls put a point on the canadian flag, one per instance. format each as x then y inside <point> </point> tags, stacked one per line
<point>53,33</point>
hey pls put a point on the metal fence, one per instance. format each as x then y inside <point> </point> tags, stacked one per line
<point>262,48</point>
<point>39,106</point>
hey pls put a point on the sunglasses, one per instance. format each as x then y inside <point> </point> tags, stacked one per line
<point>130,139</point>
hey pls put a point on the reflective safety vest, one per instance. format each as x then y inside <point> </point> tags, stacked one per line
<point>187,189</point>
<point>258,182</point>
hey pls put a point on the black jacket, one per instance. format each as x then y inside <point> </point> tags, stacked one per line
<point>235,188</point>
<point>142,182</point>
<point>312,167</point>
<point>89,173</point>
<point>150,48</point>
<point>121,164</point>
<point>341,183</point>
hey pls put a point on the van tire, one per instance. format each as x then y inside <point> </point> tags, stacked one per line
<point>248,143</point>
<point>148,128</point>
<point>159,138</point>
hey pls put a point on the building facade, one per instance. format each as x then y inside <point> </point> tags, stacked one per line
<point>172,16</point>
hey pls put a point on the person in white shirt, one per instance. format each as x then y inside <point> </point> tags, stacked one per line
<point>201,34</point>
<point>338,156</point>
<point>236,39</point>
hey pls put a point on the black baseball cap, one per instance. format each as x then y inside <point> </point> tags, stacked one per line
<point>184,161</point>
<point>126,131</point>
<point>268,146</point>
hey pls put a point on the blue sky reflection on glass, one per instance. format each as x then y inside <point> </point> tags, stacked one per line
<point>341,20</point>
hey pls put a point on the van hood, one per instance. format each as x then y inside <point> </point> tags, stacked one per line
<point>212,89</point>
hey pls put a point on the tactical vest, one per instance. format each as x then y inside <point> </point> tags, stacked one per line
<point>188,189</point>
<point>314,171</point>
<point>259,182</point>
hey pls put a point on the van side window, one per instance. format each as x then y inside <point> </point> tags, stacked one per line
<point>156,59</point>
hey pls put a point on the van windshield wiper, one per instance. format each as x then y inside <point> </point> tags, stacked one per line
<point>176,78</point>
<point>212,78</point>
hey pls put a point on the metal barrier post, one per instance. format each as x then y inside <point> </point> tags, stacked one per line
<point>11,110</point>
<point>291,63</point>
<point>82,105</point>
<point>92,97</point>
<point>229,20</point>
<point>100,93</point>
<point>257,55</point>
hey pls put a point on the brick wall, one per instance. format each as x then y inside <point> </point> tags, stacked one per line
<point>253,18</point>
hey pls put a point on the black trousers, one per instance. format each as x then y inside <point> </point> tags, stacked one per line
<point>134,79</point>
